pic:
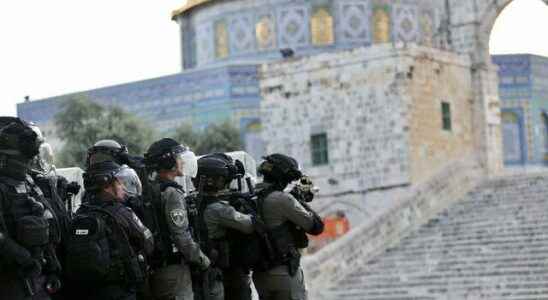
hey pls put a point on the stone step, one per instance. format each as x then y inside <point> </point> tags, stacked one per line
<point>477,292</point>
<point>478,225</point>
<point>455,282</point>
<point>493,244</point>
<point>455,262</point>
<point>439,237</point>
<point>501,245</point>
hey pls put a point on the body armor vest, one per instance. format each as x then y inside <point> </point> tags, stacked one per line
<point>30,220</point>
<point>163,254</point>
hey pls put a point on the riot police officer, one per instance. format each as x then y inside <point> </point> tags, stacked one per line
<point>133,167</point>
<point>287,220</point>
<point>58,193</point>
<point>28,224</point>
<point>120,262</point>
<point>176,251</point>
<point>223,226</point>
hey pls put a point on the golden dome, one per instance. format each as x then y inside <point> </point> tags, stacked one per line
<point>188,6</point>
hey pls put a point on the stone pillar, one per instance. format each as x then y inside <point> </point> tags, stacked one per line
<point>487,118</point>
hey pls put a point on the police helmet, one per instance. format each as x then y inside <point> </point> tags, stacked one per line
<point>163,154</point>
<point>107,150</point>
<point>101,174</point>
<point>19,138</point>
<point>131,181</point>
<point>218,170</point>
<point>279,168</point>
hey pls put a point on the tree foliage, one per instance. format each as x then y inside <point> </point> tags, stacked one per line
<point>81,123</point>
<point>223,137</point>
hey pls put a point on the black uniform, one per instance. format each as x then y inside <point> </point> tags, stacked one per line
<point>30,225</point>
<point>29,229</point>
<point>140,240</point>
<point>54,189</point>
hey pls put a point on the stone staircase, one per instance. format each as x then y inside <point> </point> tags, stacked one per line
<point>493,244</point>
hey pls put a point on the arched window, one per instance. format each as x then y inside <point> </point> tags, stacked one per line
<point>221,39</point>
<point>321,27</point>
<point>381,25</point>
<point>265,33</point>
<point>512,138</point>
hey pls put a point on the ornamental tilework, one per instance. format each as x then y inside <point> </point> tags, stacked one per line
<point>204,44</point>
<point>241,34</point>
<point>321,27</point>
<point>427,21</point>
<point>221,39</point>
<point>265,31</point>
<point>292,26</point>
<point>382,26</point>
<point>406,27</point>
<point>354,23</point>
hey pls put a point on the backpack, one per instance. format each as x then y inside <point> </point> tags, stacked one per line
<point>154,220</point>
<point>268,248</point>
<point>254,251</point>
<point>98,249</point>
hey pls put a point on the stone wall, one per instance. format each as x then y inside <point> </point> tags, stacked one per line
<point>372,238</point>
<point>434,80</point>
<point>379,108</point>
<point>358,99</point>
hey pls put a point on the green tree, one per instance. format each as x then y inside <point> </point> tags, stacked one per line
<point>223,137</point>
<point>186,135</point>
<point>81,123</point>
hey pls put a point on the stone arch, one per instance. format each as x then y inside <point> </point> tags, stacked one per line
<point>474,40</point>
<point>487,18</point>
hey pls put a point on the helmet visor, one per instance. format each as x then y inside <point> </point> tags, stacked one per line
<point>129,178</point>
<point>45,157</point>
<point>43,162</point>
<point>189,163</point>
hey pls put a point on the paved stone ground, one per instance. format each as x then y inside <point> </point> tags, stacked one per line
<point>491,245</point>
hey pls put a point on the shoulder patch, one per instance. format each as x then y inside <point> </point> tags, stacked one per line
<point>178,217</point>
